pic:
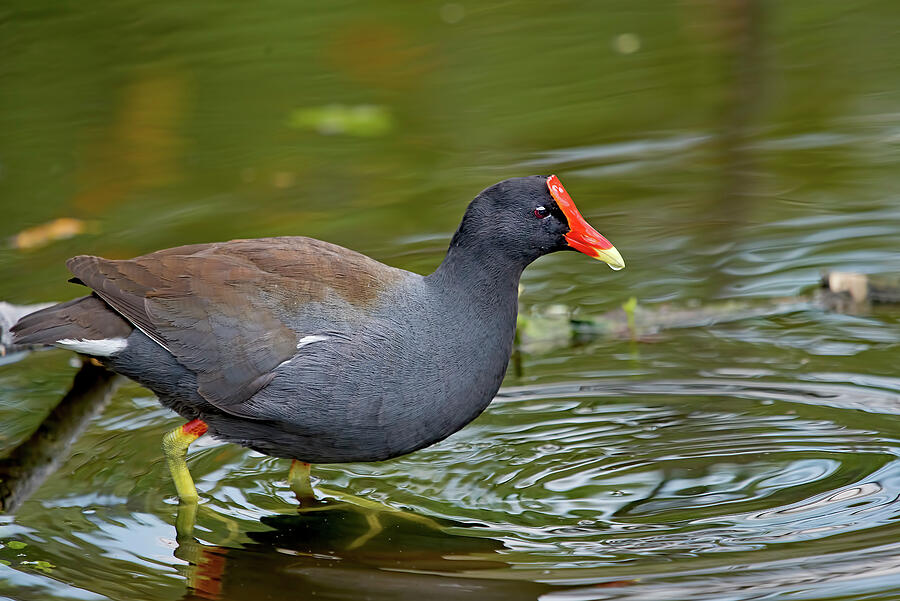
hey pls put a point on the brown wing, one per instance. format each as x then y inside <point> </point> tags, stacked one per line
<point>223,309</point>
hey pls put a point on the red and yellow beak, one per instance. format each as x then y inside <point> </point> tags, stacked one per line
<point>582,237</point>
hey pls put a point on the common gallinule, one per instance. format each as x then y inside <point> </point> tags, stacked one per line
<point>301,349</point>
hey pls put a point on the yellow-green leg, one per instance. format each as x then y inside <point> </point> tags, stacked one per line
<point>298,480</point>
<point>175,446</point>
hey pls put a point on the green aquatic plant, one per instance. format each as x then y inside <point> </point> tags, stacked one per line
<point>363,120</point>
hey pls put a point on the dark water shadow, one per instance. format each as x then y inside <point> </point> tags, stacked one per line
<point>316,554</point>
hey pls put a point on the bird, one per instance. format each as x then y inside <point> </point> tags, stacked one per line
<point>301,349</point>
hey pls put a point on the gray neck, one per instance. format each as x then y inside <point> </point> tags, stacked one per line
<point>477,299</point>
<point>480,279</point>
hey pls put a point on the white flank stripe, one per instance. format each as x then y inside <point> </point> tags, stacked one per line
<point>99,348</point>
<point>310,339</point>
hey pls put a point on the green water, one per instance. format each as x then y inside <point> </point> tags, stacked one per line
<point>731,150</point>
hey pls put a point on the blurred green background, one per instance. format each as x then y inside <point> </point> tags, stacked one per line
<point>163,123</point>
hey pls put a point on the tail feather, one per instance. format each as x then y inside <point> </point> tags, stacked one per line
<point>9,315</point>
<point>84,319</point>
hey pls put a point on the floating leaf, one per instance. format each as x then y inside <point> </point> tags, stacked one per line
<point>41,235</point>
<point>363,120</point>
<point>41,566</point>
<point>44,566</point>
<point>16,544</point>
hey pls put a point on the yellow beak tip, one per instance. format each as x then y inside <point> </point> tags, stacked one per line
<point>611,257</point>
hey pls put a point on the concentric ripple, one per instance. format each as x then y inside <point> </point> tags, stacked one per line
<point>609,473</point>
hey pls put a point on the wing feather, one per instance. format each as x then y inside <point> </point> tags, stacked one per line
<point>221,309</point>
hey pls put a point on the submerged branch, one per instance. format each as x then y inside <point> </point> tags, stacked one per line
<point>543,330</point>
<point>24,470</point>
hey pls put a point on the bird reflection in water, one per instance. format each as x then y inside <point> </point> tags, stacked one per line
<point>331,550</point>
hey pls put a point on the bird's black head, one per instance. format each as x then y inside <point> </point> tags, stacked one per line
<point>523,218</point>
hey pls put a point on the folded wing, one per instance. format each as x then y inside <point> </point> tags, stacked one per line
<point>224,310</point>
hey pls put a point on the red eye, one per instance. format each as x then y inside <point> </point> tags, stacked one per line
<point>541,212</point>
